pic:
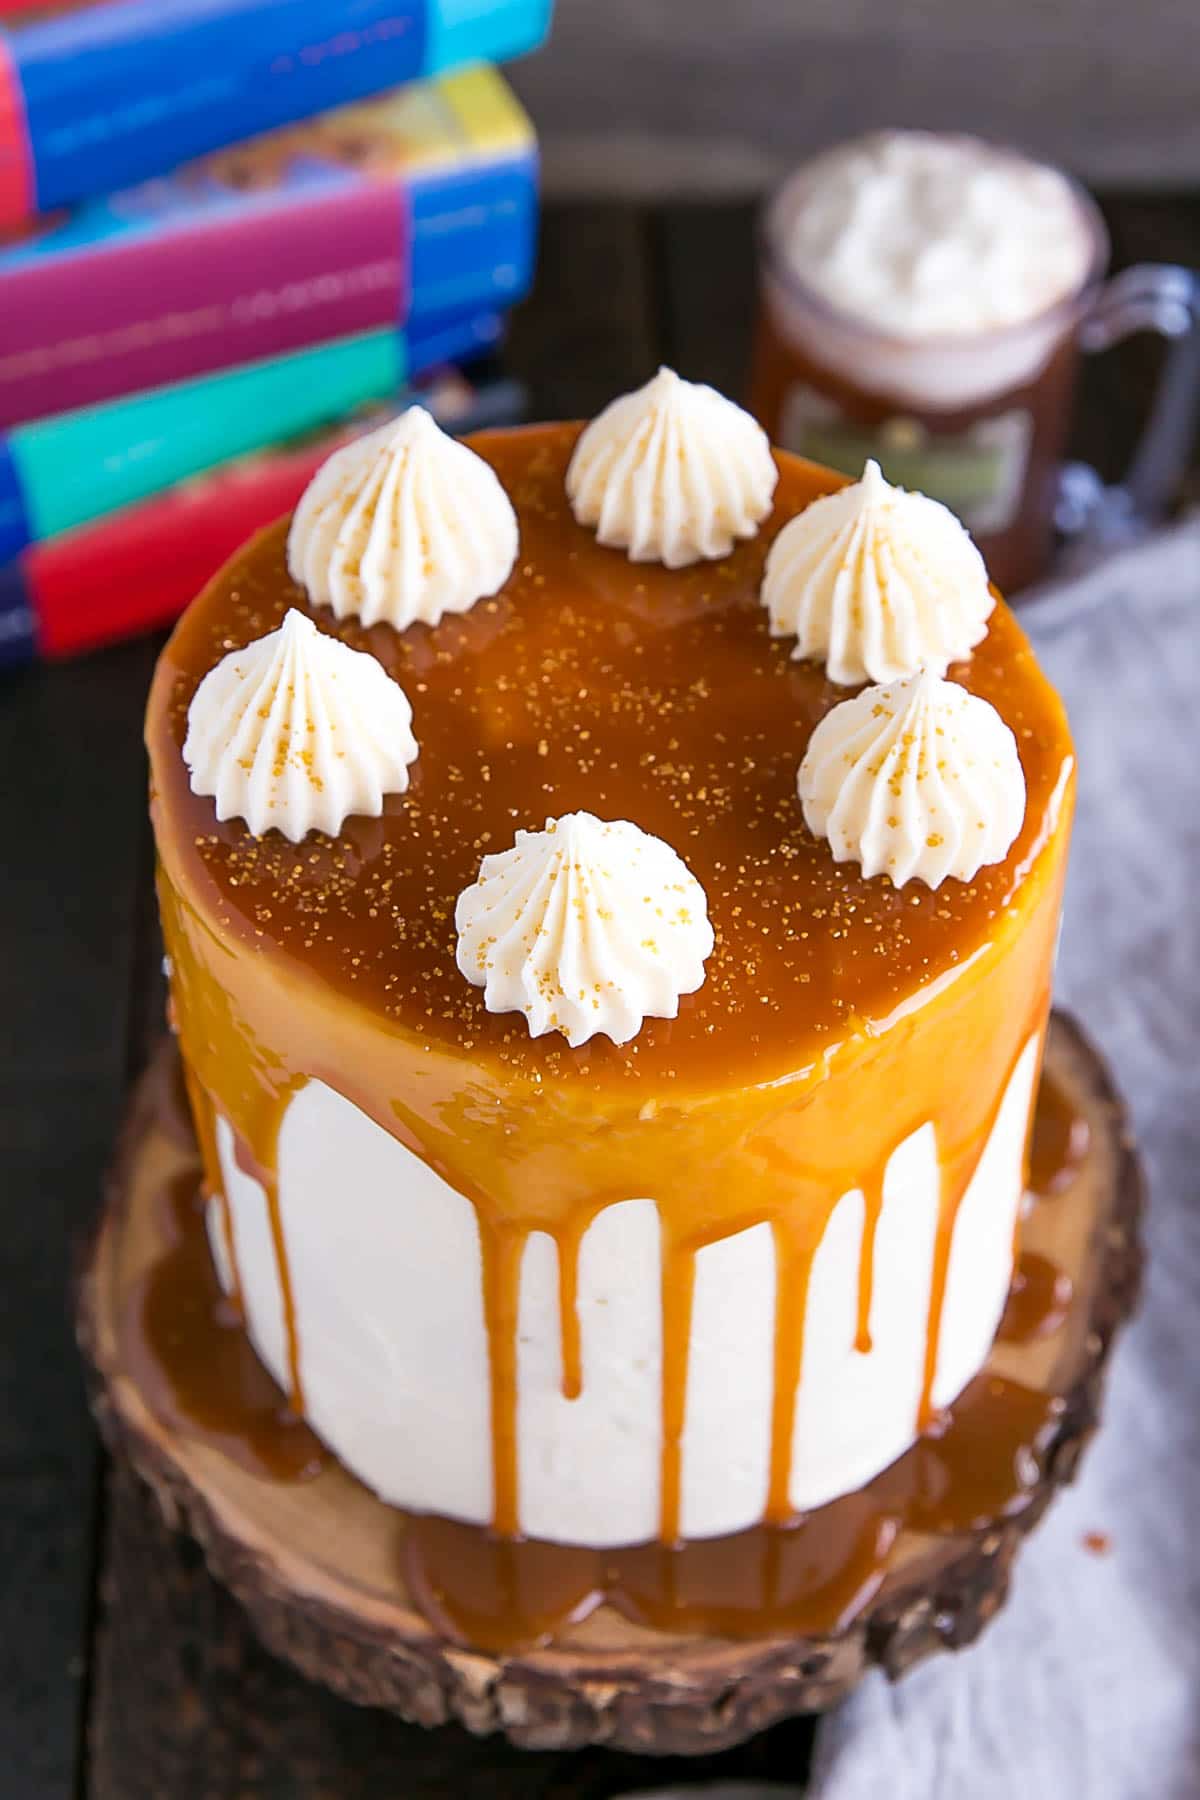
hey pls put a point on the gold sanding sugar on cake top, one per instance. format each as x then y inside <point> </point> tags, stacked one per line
<point>632,692</point>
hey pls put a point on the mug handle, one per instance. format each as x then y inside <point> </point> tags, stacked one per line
<point>1164,298</point>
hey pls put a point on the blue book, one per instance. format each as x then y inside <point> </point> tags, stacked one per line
<point>107,93</point>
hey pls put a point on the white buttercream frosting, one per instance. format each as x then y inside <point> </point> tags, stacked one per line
<point>403,525</point>
<point>674,473</point>
<point>917,781</point>
<point>876,583</point>
<point>297,732</point>
<point>590,926</point>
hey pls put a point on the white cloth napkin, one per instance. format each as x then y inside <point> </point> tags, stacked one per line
<point>1087,1684</point>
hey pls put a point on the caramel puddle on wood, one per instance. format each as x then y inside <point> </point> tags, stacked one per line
<point>1058,1142</point>
<point>1038,1301</point>
<point>193,1361</point>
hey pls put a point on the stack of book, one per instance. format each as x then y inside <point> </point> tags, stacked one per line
<point>182,342</point>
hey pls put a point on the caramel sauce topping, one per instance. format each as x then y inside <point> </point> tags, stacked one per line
<point>838,1015</point>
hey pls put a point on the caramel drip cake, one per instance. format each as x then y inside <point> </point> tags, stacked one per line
<point>610,879</point>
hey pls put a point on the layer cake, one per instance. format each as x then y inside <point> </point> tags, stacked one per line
<point>569,1288</point>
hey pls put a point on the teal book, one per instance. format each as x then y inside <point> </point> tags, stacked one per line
<point>59,473</point>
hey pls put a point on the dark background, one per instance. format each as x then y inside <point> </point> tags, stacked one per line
<point>706,96</point>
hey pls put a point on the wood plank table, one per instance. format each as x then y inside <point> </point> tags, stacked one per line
<point>111,1632</point>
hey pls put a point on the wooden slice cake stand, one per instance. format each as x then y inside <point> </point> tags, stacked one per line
<point>320,1567</point>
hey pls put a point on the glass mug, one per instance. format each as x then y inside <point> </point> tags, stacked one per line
<point>980,420</point>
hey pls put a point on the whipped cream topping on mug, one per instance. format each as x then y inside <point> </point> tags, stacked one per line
<point>673,473</point>
<point>922,235</point>
<point>876,583</point>
<point>917,781</point>
<point>402,525</point>
<point>297,731</point>
<point>590,926</point>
